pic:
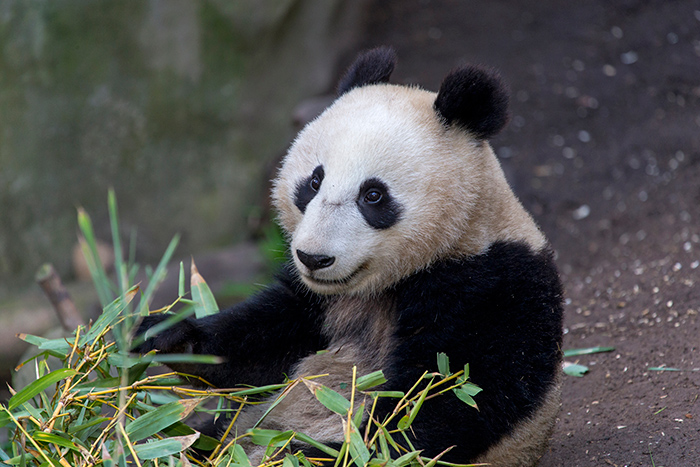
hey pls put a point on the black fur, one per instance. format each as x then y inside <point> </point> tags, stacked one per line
<point>305,191</point>
<point>260,339</point>
<point>475,99</point>
<point>383,213</point>
<point>371,67</point>
<point>501,312</point>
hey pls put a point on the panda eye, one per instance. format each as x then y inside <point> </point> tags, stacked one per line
<point>373,196</point>
<point>315,183</point>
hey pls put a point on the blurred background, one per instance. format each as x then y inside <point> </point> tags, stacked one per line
<point>184,107</point>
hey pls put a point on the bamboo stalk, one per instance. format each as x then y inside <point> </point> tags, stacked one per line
<point>51,284</point>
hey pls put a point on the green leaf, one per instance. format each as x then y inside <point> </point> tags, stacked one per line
<point>465,397</point>
<point>290,461</point>
<point>278,441</point>
<point>394,394</point>
<point>54,439</point>
<point>59,347</point>
<point>201,294</point>
<point>123,360</point>
<point>181,281</point>
<point>471,389</point>
<point>109,316</point>
<point>239,456</point>
<point>587,351</point>
<point>204,442</point>
<point>666,368</point>
<point>403,422</point>
<point>263,437</point>
<point>357,447</point>
<point>4,419</point>
<point>443,362</point>
<point>259,390</point>
<point>329,398</point>
<point>320,446</point>
<point>359,413</point>
<point>39,385</point>
<point>158,275</point>
<point>101,383</point>
<point>408,457</point>
<point>119,265</point>
<point>88,244</point>
<point>164,447</point>
<point>92,422</point>
<point>370,380</point>
<point>406,421</point>
<point>573,369</point>
<point>188,358</point>
<point>151,423</point>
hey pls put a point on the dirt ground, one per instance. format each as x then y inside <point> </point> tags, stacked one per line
<point>603,147</point>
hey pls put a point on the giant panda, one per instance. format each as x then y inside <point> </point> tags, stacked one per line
<point>405,241</point>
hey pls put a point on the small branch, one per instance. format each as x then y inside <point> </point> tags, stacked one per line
<point>57,293</point>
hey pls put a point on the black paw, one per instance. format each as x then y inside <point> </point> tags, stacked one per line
<point>178,337</point>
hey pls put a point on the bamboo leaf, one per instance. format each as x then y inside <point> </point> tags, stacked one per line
<point>88,244</point>
<point>406,458</point>
<point>165,447</point>
<point>443,362</point>
<point>188,358</point>
<point>573,369</point>
<point>5,419</point>
<point>204,442</point>
<point>119,265</point>
<point>273,438</point>
<point>38,386</point>
<point>357,447</point>
<point>57,346</point>
<point>151,423</point>
<point>239,456</point>
<point>290,461</point>
<point>329,398</point>
<point>54,439</point>
<point>394,394</point>
<point>465,397</point>
<point>92,422</point>
<point>359,413</point>
<point>471,389</point>
<point>110,315</point>
<point>320,446</point>
<point>205,303</point>
<point>181,281</point>
<point>370,380</point>
<point>405,422</point>
<point>587,351</point>
<point>278,441</point>
<point>259,390</point>
<point>158,275</point>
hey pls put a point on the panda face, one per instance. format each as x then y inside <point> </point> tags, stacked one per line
<point>374,189</point>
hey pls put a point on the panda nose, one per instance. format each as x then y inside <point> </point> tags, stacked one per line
<point>315,262</point>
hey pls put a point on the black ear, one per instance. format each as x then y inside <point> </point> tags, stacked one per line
<point>474,98</point>
<point>370,67</point>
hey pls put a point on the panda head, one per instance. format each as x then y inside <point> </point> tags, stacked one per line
<point>391,178</point>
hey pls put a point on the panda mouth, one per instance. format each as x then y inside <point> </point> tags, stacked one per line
<point>341,281</point>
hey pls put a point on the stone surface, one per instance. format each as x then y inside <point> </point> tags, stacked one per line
<point>179,105</point>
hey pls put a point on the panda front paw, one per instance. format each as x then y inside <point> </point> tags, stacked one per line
<point>178,338</point>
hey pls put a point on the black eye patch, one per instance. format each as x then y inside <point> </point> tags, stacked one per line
<point>307,188</point>
<point>376,204</point>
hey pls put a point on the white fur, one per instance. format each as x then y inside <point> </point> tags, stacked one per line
<point>455,198</point>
